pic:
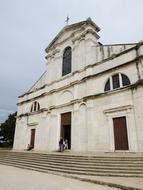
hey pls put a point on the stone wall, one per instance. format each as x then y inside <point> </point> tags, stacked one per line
<point>82,93</point>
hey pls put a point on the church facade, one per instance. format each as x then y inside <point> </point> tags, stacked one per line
<point>90,94</point>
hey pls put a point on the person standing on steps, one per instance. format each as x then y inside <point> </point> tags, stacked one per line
<point>61,145</point>
<point>66,144</point>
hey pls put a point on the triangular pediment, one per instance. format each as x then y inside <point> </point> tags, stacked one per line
<point>70,30</point>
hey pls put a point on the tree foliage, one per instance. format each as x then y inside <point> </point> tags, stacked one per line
<point>7,130</point>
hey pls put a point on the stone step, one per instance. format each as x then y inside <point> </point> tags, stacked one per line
<point>67,171</point>
<point>75,159</point>
<point>76,165</point>
<point>93,162</point>
<point>123,170</point>
<point>73,156</point>
<point>70,156</point>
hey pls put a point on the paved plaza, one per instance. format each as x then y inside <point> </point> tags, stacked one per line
<point>12,178</point>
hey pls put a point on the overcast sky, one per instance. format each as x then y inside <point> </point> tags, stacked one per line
<point>28,26</point>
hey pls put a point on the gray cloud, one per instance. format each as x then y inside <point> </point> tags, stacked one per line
<point>4,114</point>
<point>27,27</point>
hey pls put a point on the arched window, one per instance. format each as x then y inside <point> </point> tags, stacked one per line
<point>116,81</point>
<point>35,107</point>
<point>67,59</point>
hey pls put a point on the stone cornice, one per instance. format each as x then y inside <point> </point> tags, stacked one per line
<point>88,66</point>
<point>115,109</point>
<point>79,81</point>
<point>122,44</point>
<point>84,99</point>
<point>33,113</point>
<point>35,84</point>
<point>84,69</point>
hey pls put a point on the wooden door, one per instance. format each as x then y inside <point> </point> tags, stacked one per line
<point>32,138</point>
<point>120,133</point>
<point>66,127</point>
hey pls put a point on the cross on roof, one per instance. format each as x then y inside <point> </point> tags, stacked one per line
<point>67,20</point>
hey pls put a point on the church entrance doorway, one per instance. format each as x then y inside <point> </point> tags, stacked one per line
<point>32,141</point>
<point>120,133</point>
<point>66,127</point>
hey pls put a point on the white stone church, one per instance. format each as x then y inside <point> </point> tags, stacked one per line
<point>90,94</point>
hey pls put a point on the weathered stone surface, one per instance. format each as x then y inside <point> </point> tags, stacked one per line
<point>82,93</point>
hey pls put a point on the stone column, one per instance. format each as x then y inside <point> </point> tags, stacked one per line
<point>79,128</point>
<point>54,127</point>
<point>90,125</point>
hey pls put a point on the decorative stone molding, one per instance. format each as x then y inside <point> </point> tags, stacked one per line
<point>91,66</point>
<point>82,104</point>
<point>117,109</point>
<point>32,124</point>
<point>132,86</point>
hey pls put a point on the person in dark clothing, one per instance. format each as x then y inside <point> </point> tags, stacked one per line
<point>29,147</point>
<point>61,145</point>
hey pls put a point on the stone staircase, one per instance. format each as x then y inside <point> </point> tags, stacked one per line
<point>64,163</point>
